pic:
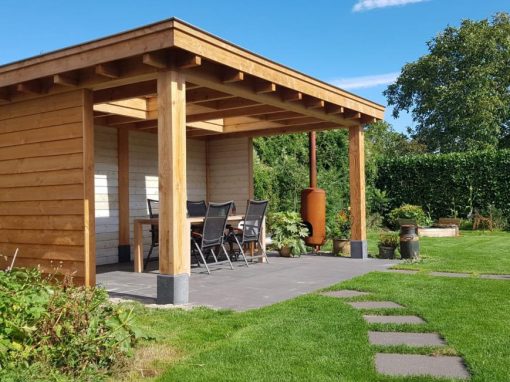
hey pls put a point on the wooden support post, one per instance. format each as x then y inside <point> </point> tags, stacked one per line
<point>174,233</point>
<point>123,192</point>
<point>357,187</point>
<point>89,220</point>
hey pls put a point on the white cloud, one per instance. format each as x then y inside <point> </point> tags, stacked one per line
<point>366,81</point>
<point>367,5</point>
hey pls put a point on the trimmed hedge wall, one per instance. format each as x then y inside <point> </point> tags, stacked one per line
<point>448,184</point>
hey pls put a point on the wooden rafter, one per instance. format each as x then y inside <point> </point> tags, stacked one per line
<point>66,79</point>
<point>108,70</point>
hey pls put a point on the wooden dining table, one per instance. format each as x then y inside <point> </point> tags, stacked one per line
<point>138,230</point>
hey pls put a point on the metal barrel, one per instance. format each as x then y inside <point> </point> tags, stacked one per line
<point>409,242</point>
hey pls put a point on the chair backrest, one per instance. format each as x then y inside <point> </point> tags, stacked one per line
<point>252,226</point>
<point>196,208</point>
<point>154,213</point>
<point>215,222</point>
<point>153,208</point>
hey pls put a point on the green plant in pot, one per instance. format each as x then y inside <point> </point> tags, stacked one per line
<point>288,232</point>
<point>340,232</point>
<point>388,243</point>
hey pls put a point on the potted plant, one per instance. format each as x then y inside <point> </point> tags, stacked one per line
<point>288,232</point>
<point>340,232</point>
<point>387,244</point>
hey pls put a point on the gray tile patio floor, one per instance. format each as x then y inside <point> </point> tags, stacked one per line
<point>244,287</point>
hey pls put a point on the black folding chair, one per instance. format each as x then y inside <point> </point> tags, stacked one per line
<point>213,233</point>
<point>252,229</point>
<point>153,213</point>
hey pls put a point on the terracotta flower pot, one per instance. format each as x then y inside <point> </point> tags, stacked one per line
<point>342,246</point>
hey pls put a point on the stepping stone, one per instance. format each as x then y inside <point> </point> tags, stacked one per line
<point>402,338</point>
<point>413,364</point>
<point>496,277</point>
<point>393,319</point>
<point>450,274</point>
<point>345,293</point>
<point>374,304</point>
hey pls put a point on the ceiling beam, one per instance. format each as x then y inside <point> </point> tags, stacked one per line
<point>187,60</point>
<point>266,132</point>
<point>313,103</point>
<point>66,79</point>
<point>352,115</point>
<point>126,91</point>
<point>108,70</point>
<point>230,75</point>
<point>239,112</point>
<point>158,60</point>
<point>204,95</point>
<point>262,86</point>
<point>207,79</point>
<point>227,104</point>
<point>289,95</point>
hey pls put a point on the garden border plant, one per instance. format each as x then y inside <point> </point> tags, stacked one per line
<point>53,327</point>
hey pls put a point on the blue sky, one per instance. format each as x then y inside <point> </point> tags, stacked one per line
<point>355,44</point>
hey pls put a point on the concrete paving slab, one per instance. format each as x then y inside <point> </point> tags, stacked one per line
<point>345,293</point>
<point>450,274</point>
<point>495,277</point>
<point>244,287</point>
<point>403,338</point>
<point>374,304</point>
<point>414,364</point>
<point>375,319</point>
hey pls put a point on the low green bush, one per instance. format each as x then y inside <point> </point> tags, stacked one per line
<point>408,211</point>
<point>65,332</point>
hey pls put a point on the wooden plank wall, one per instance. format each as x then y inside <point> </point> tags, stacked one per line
<point>42,209</point>
<point>229,171</point>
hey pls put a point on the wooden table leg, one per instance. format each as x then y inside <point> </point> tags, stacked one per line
<point>138,241</point>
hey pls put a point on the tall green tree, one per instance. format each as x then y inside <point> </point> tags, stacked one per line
<point>459,93</point>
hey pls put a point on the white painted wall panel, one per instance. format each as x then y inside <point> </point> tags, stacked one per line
<point>106,186</point>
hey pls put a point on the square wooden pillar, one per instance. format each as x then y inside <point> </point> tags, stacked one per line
<point>359,248</point>
<point>88,189</point>
<point>174,234</point>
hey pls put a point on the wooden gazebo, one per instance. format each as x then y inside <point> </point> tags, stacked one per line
<point>172,80</point>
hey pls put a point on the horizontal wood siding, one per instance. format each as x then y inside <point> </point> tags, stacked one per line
<point>229,171</point>
<point>42,183</point>
<point>106,195</point>
<point>196,176</point>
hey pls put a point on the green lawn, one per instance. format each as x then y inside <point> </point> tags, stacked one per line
<point>472,252</point>
<point>318,338</point>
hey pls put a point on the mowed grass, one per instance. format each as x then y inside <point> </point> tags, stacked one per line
<point>318,338</point>
<point>475,252</point>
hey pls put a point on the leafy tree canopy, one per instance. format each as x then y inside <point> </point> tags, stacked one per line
<point>459,93</point>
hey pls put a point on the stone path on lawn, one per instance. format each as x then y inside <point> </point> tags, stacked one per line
<point>449,274</point>
<point>393,319</point>
<point>394,364</point>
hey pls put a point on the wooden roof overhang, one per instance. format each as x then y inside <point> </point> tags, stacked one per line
<point>229,90</point>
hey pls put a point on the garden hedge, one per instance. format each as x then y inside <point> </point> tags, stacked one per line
<point>448,184</point>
